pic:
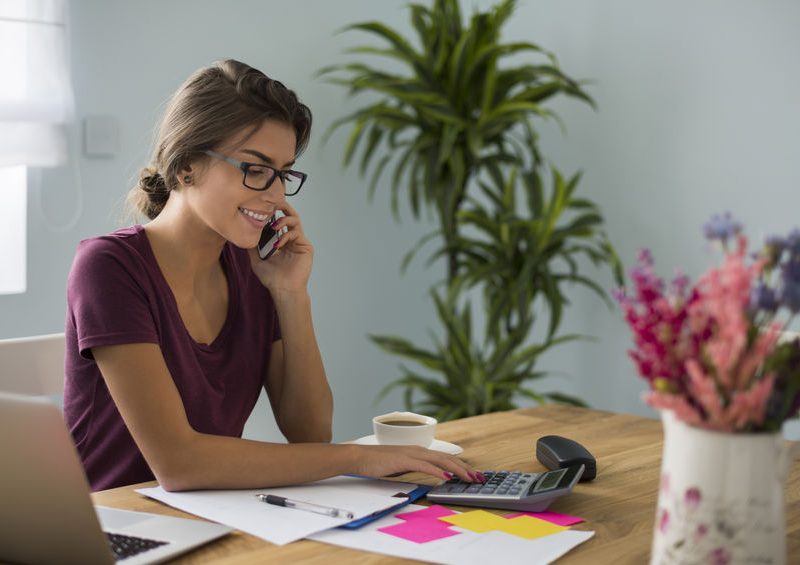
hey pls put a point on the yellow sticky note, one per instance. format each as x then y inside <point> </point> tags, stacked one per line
<point>476,521</point>
<point>529,527</point>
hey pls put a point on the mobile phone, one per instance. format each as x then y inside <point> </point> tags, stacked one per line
<point>268,238</point>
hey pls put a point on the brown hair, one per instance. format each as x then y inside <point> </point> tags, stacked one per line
<point>213,104</point>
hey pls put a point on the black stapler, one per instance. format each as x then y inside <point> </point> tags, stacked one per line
<point>556,452</point>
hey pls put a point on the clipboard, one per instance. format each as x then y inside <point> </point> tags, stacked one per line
<point>407,498</point>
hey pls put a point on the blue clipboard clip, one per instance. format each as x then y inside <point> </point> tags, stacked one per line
<point>407,498</point>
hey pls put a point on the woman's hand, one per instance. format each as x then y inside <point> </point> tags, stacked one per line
<point>289,268</point>
<point>384,460</point>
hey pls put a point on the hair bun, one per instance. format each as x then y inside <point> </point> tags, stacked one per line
<point>156,192</point>
<point>151,181</point>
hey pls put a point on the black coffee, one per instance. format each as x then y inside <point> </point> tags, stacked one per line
<point>402,423</point>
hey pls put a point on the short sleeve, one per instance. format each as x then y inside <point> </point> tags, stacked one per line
<point>107,296</point>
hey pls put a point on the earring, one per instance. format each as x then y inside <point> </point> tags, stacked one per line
<point>187,179</point>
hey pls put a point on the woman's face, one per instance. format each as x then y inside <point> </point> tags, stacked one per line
<point>221,201</point>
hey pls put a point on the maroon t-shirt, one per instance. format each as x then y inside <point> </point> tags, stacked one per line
<point>117,294</point>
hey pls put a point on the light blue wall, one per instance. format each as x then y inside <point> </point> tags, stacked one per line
<point>698,113</point>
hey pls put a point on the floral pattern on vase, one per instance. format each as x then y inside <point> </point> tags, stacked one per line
<point>721,499</point>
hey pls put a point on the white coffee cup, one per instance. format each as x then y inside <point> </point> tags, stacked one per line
<point>404,428</point>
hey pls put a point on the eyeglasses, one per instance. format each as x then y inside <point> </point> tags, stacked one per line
<point>258,176</point>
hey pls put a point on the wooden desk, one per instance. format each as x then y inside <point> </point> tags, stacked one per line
<point>619,505</point>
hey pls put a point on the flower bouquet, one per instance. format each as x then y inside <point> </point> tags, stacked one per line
<point>712,352</point>
<point>726,375</point>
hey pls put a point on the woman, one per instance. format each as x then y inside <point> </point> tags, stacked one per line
<point>174,327</point>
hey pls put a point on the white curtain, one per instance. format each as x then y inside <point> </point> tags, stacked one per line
<point>36,100</point>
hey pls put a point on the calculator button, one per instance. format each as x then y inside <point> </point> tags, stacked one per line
<point>473,489</point>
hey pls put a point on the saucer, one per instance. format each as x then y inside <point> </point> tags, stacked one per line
<point>437,445</point>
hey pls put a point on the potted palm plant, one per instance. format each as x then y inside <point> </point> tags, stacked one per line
<point>456,133</point>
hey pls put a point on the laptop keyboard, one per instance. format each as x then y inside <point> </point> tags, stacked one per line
<point>128,546</point>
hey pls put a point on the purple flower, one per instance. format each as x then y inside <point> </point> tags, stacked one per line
<point>790,293</point>
<point>776,242</point>
<point>773,249</point>
<point>793,243</point>
<point>692,497</point>
<point>763,297</point>
<point>680,284</point>
<point>790,271</point>
<point>722,227</point>
<point>790,296</point>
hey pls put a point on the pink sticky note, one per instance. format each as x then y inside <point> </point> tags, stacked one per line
<point>430,512</point>
<point>552,517</point>
<point>420,530</point>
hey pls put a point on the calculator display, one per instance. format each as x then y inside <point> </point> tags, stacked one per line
<point>549,480</point>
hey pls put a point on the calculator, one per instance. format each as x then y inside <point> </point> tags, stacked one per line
<point>511,490</point>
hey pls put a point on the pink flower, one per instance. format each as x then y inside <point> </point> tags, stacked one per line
<point>725,297</point>
<point>749,406</point>
<point>703,389</point>
<point>692,498</point>
<point>719,556</point>
<point>678,404</point>
<point>701,531</point>
<point>663,522</point>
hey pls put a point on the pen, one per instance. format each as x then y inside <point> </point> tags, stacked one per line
<point>300,505</point>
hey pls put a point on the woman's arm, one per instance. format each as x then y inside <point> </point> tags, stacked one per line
<point>298,390</point>
<point>183,459</point>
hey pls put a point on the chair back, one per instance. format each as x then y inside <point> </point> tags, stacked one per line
<point>33,365</point>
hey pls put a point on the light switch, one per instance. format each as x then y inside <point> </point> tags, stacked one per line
<point>100,136</point>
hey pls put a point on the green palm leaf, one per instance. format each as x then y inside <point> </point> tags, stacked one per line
<point>454,133</point>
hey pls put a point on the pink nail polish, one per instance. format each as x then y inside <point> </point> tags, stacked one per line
<point>275,246</point>
<point>448,475</point>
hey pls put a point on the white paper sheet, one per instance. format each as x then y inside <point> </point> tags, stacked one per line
<point>465,549</point>
<point>241,509</point>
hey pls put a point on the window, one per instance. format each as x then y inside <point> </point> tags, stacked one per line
<point>13,190</point>
<point>35,104</point>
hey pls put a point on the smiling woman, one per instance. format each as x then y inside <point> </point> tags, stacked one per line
<point>174,327</point>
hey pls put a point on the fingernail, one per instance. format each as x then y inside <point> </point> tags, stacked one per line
<point>481,477</point>
<point>447,475</point>
<point>276,244</point>
<point>273,224</point>
<point>472,476</point>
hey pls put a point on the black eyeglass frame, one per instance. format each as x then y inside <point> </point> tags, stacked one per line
<point>244,166</point>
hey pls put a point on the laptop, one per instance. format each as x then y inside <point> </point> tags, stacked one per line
<point>46,510</point>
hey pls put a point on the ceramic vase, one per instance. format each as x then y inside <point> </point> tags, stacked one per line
<point>721,498</point>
